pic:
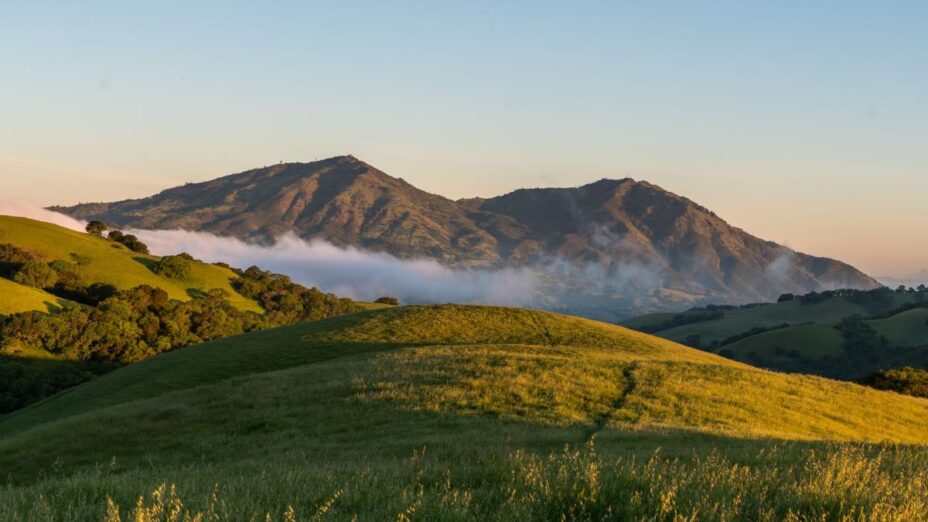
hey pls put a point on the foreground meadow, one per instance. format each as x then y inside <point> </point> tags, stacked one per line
<point>461,413</point>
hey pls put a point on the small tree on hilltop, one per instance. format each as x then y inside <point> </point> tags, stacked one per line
<point>387,300</point>
<point>96,228</point>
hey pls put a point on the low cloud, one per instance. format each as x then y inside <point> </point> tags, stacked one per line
<point>352,272</point>
<point>781,269</point>
<point>28,210</point>
<point>360,274</point>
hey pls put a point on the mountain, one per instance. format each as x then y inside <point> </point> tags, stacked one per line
<point>620,245</point>
<point>461,413</point>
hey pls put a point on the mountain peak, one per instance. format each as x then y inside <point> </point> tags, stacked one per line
<point>636,234</point>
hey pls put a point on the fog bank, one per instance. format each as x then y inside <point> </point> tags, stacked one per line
<point>352,272</point>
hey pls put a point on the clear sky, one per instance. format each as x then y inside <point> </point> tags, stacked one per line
<point>802,122</point>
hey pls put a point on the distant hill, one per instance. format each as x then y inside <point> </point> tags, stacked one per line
<point>842,334</point>
<point>629,246</point>
<point>453,410</point>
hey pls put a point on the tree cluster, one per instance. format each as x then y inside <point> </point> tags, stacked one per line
<point>128,326</point>
<point>861,341</point>
<point>175,267</point>
<point>101,327</point>
<point>286,302</point>
<point>130,241</point>
<point>25,267</point>
<point>907,380</point>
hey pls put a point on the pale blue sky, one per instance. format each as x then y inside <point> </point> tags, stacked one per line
<point>802,122</point>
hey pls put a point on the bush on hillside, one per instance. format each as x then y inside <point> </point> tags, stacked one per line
<point>35,274</point>
<point>908,381</point>
<point>387,300</point>
<point>12,258</point>
<point>861,341</point>
<point>286,302</point>
<point>130,241</point>
<point>174,267</point>
<point>96,228</point>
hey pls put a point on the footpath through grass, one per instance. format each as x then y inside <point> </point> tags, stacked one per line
<point>461,413</point>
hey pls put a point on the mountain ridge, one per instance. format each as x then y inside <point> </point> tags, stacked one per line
<point>638,235</point>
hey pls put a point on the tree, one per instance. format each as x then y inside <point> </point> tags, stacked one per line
<point>36,274</point>
<point>96,228</point>
<point>134,244</point>
<point>130,241</point>
<point>174,267</point>
<point>387,300</point>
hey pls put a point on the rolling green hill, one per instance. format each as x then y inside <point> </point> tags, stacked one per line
<point>102,261</point>
<point>739,320</point>
<point>805,334</point>
<point>104,305</point>
<point>821,348</point>
<point>460,413</point>
<point>15,298</point>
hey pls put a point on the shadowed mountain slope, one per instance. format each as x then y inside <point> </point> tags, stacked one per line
<point>642,246</point>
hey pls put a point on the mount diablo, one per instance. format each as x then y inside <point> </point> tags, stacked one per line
<point>609,248</point>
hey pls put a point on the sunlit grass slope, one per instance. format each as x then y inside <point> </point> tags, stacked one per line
<point>448,412</point>
<point>513,363</point>
<point>102,261</point>
<point>15,298</point>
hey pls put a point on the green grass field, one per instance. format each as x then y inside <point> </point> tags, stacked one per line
<point>819,341</point>
<point>15,298</point>
<point>738,321</point>
<point>109,262</point>
<point>814,341</point>
<point>906,329</point>
<point>462,413</point>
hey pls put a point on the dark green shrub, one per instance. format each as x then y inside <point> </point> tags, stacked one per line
<point>174,267</point>
<point>35,274</point>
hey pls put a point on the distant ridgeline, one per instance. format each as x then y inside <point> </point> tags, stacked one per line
<point>846,334</point>
<point>60,326</point>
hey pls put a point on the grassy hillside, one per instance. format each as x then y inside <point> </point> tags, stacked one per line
<point>909,328</point>
<point>461,413</point>
<point>16,298</point>
<point>741,320</point>
<point>102,261</point>
<point>805,334</point>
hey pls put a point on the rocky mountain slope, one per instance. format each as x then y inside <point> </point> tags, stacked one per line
<point>621,244</point>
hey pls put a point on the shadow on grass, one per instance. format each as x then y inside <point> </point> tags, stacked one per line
<point>26,378</point>
<point>196,293</point>
<point>144,261</point>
